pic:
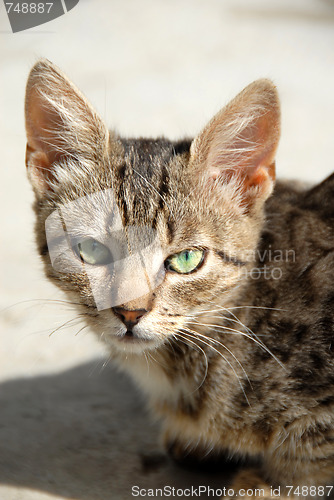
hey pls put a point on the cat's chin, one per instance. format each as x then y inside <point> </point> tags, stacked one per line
<point>126,344</point>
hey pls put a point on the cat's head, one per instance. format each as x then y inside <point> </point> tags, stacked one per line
<point>147,235</point>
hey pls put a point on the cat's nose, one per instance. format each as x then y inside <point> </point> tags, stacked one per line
<point>129,317</point>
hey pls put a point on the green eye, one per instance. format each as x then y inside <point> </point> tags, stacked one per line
<point>93,252</point>
<point>185,262</point>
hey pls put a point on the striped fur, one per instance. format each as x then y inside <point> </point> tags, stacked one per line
<point>237,363</point>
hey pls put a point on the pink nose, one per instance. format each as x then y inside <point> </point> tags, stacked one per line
<point>129,318</point>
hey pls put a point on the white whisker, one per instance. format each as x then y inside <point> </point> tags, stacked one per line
<point>194,334</point>
<point>180,336</point>
<point>244,334</point>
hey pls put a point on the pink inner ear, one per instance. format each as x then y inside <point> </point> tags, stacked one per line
<point>238,145</point>
<point>59,123</point>
<point>42,125</point>
<point>265,137</point>
<point>248,156</point>
<point>260,176</point>
<point>40,171</point>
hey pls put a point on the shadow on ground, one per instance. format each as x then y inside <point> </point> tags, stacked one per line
<point>84,434</point>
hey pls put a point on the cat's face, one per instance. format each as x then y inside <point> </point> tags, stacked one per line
<point>157,234</point>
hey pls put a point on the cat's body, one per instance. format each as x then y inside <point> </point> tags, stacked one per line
<point>235,354</point>
<point>282,411</point>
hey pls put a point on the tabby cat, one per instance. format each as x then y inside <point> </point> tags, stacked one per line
<point>234,343</point>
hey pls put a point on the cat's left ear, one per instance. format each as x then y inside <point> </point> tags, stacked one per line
<point>60,125</point>
<point>236,150</point>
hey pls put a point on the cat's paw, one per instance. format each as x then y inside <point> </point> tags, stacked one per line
<point>249,485</point>
<point>189,457</point>
<point>198,458</point>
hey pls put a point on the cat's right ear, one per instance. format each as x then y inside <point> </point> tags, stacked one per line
<point>60,124</point>
<point>234,156</point>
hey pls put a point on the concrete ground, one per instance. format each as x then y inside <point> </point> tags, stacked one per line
<point>71,427</point>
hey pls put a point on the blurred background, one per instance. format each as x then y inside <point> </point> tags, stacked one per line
<point>150,67</point>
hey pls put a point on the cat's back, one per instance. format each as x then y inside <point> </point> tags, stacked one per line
<point>301,218</point>
<point>295,296</point>
<point>312,199</point>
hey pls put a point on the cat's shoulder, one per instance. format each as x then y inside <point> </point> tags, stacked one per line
<point>308,199</point>
<point>320,199</point>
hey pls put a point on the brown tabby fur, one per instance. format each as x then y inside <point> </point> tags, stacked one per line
<point>234,364</point>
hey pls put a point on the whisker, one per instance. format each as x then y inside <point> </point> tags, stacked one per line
<point>147,364</point>
<point>193,334</point>
<point>150,355</point>
<point>180,336</point>
<point>244,334</point>
<point>81,329</point>
<point>217,342</point>
<point>69,323</point>
<point>238,321</point>
<point>232,308</point>
<point>41,301</point>
<point>105,363</point>
<point>229,311</point>
<point>235,320</point>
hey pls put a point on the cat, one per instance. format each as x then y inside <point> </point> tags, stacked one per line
<point>234,343</point>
